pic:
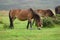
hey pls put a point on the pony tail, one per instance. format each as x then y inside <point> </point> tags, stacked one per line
<point>31,9</point>
<point>35,15</point>
<point>10,19</point>
<point>33,12</point>
<point>9,14</point>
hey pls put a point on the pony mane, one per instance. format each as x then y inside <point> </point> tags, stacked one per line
<point>35,14</point>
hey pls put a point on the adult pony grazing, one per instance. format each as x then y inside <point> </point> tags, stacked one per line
<point>57,10</point>
<point>26,14</point>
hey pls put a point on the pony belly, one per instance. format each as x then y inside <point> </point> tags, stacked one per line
<point>22,19</point>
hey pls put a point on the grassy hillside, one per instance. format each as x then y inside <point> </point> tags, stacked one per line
<point>21,33</point>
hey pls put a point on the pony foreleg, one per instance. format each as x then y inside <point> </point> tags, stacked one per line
<point>11,24</point>
<point>27,24</point>
<point>30,25</point>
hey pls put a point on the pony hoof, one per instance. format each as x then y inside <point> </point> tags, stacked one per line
<point>39,28</point>
<point>11,27</point>
<point>27,28</point>
<point>30,28</point>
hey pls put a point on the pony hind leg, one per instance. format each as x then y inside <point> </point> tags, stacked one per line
<point>30,25</point>
<point>27,24</point>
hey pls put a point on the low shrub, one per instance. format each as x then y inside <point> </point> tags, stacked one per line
<point>48,22</point>
<point>5,26</point>
<point>57,21</point>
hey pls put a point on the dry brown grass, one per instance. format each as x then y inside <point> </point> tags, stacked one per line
<point>4,13</point>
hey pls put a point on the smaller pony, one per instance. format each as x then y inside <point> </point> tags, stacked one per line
<point>45,13</point>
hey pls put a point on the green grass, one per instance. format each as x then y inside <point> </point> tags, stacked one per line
<point>21,33</point>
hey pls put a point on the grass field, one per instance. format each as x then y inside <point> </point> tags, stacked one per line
<point>21,33</point>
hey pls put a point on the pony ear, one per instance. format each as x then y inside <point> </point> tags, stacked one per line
<point>30,8</point>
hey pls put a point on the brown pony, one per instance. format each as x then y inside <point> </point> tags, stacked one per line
<point>45,13</point>
<point>26,14</point>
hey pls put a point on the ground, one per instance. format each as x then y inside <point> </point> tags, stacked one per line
<point>21,33</point>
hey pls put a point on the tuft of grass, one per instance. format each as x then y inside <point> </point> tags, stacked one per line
<point>5,26</point>
<point>1,22</point>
